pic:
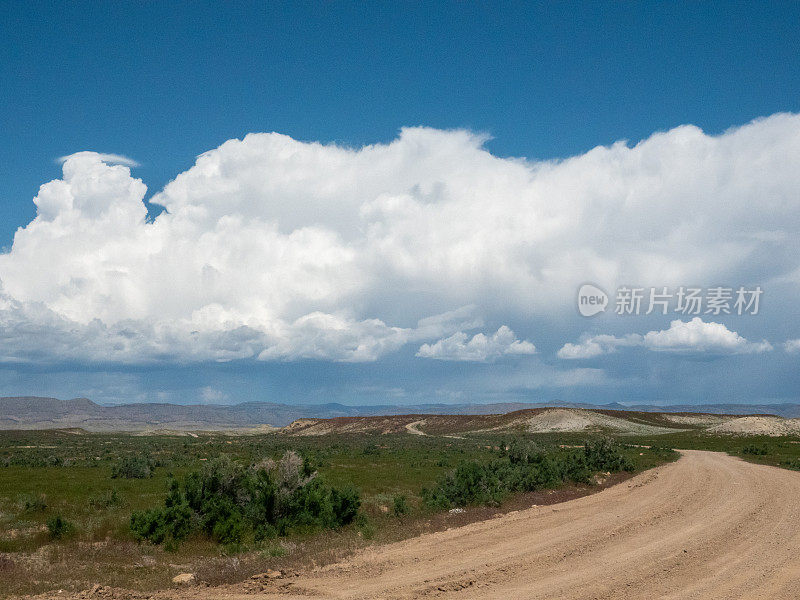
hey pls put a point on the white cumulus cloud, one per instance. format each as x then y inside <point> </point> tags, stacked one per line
<point>596,345</point>
<point>699,336</point>
<point>479,348</point>
<point>695,336</point>
<point>278,249</point>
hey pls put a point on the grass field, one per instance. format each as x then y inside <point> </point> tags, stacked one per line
<point>69,474</point>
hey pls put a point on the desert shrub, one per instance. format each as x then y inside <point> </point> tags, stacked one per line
<point>35,503</point>
<point>604,455</point>
<point>32,460</point>
<point>107,499</point>
<point>274,551</point>
<point>365,526</point>
<point>522,467</point>
<point>232,504</point>
<point>346,502</point>
<point>132,467</point>
<point>791,463</point>
<point>755,450</point>
<point>160,525</point>
<point>54,461</point>
<point>399,505</point>
<point>664,451</point>
<point>370,450</point>
<point>59,527</point>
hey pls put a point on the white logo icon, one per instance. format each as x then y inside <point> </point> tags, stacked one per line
<point>591,300</point>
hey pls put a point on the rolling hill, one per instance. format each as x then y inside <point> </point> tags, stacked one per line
<point>434,419</point>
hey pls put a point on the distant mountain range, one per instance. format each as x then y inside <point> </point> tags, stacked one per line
<point>52,413</point>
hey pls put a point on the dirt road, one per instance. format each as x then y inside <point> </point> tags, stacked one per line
<point>707,526</point>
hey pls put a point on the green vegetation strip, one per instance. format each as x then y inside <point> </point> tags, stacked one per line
<point>122,510</point>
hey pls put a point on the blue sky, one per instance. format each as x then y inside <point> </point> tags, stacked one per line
<point>162,83</point>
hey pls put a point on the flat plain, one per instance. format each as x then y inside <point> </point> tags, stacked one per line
<point>690,501</point>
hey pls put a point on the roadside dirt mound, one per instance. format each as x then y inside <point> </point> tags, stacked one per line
<point>758,425</point>
<point>562,420</point>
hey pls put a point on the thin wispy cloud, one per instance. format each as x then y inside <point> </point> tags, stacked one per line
<point>112,159</point>
<point>792,346</point>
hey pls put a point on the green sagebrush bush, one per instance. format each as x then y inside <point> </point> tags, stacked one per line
<point>233,504</point>
<point>132,467</point>
<point>107,499</point>
<point>755,450</point>
<point>522,467</point>
<point>59,527</point>
<point>400,505</point>
<point>28,460</point>
<point>365,526</point>
<point>604,455</point>
<point>791,463</point>
<point>34,503</point>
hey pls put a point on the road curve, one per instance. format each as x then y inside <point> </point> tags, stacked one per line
<point>706,526</point>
